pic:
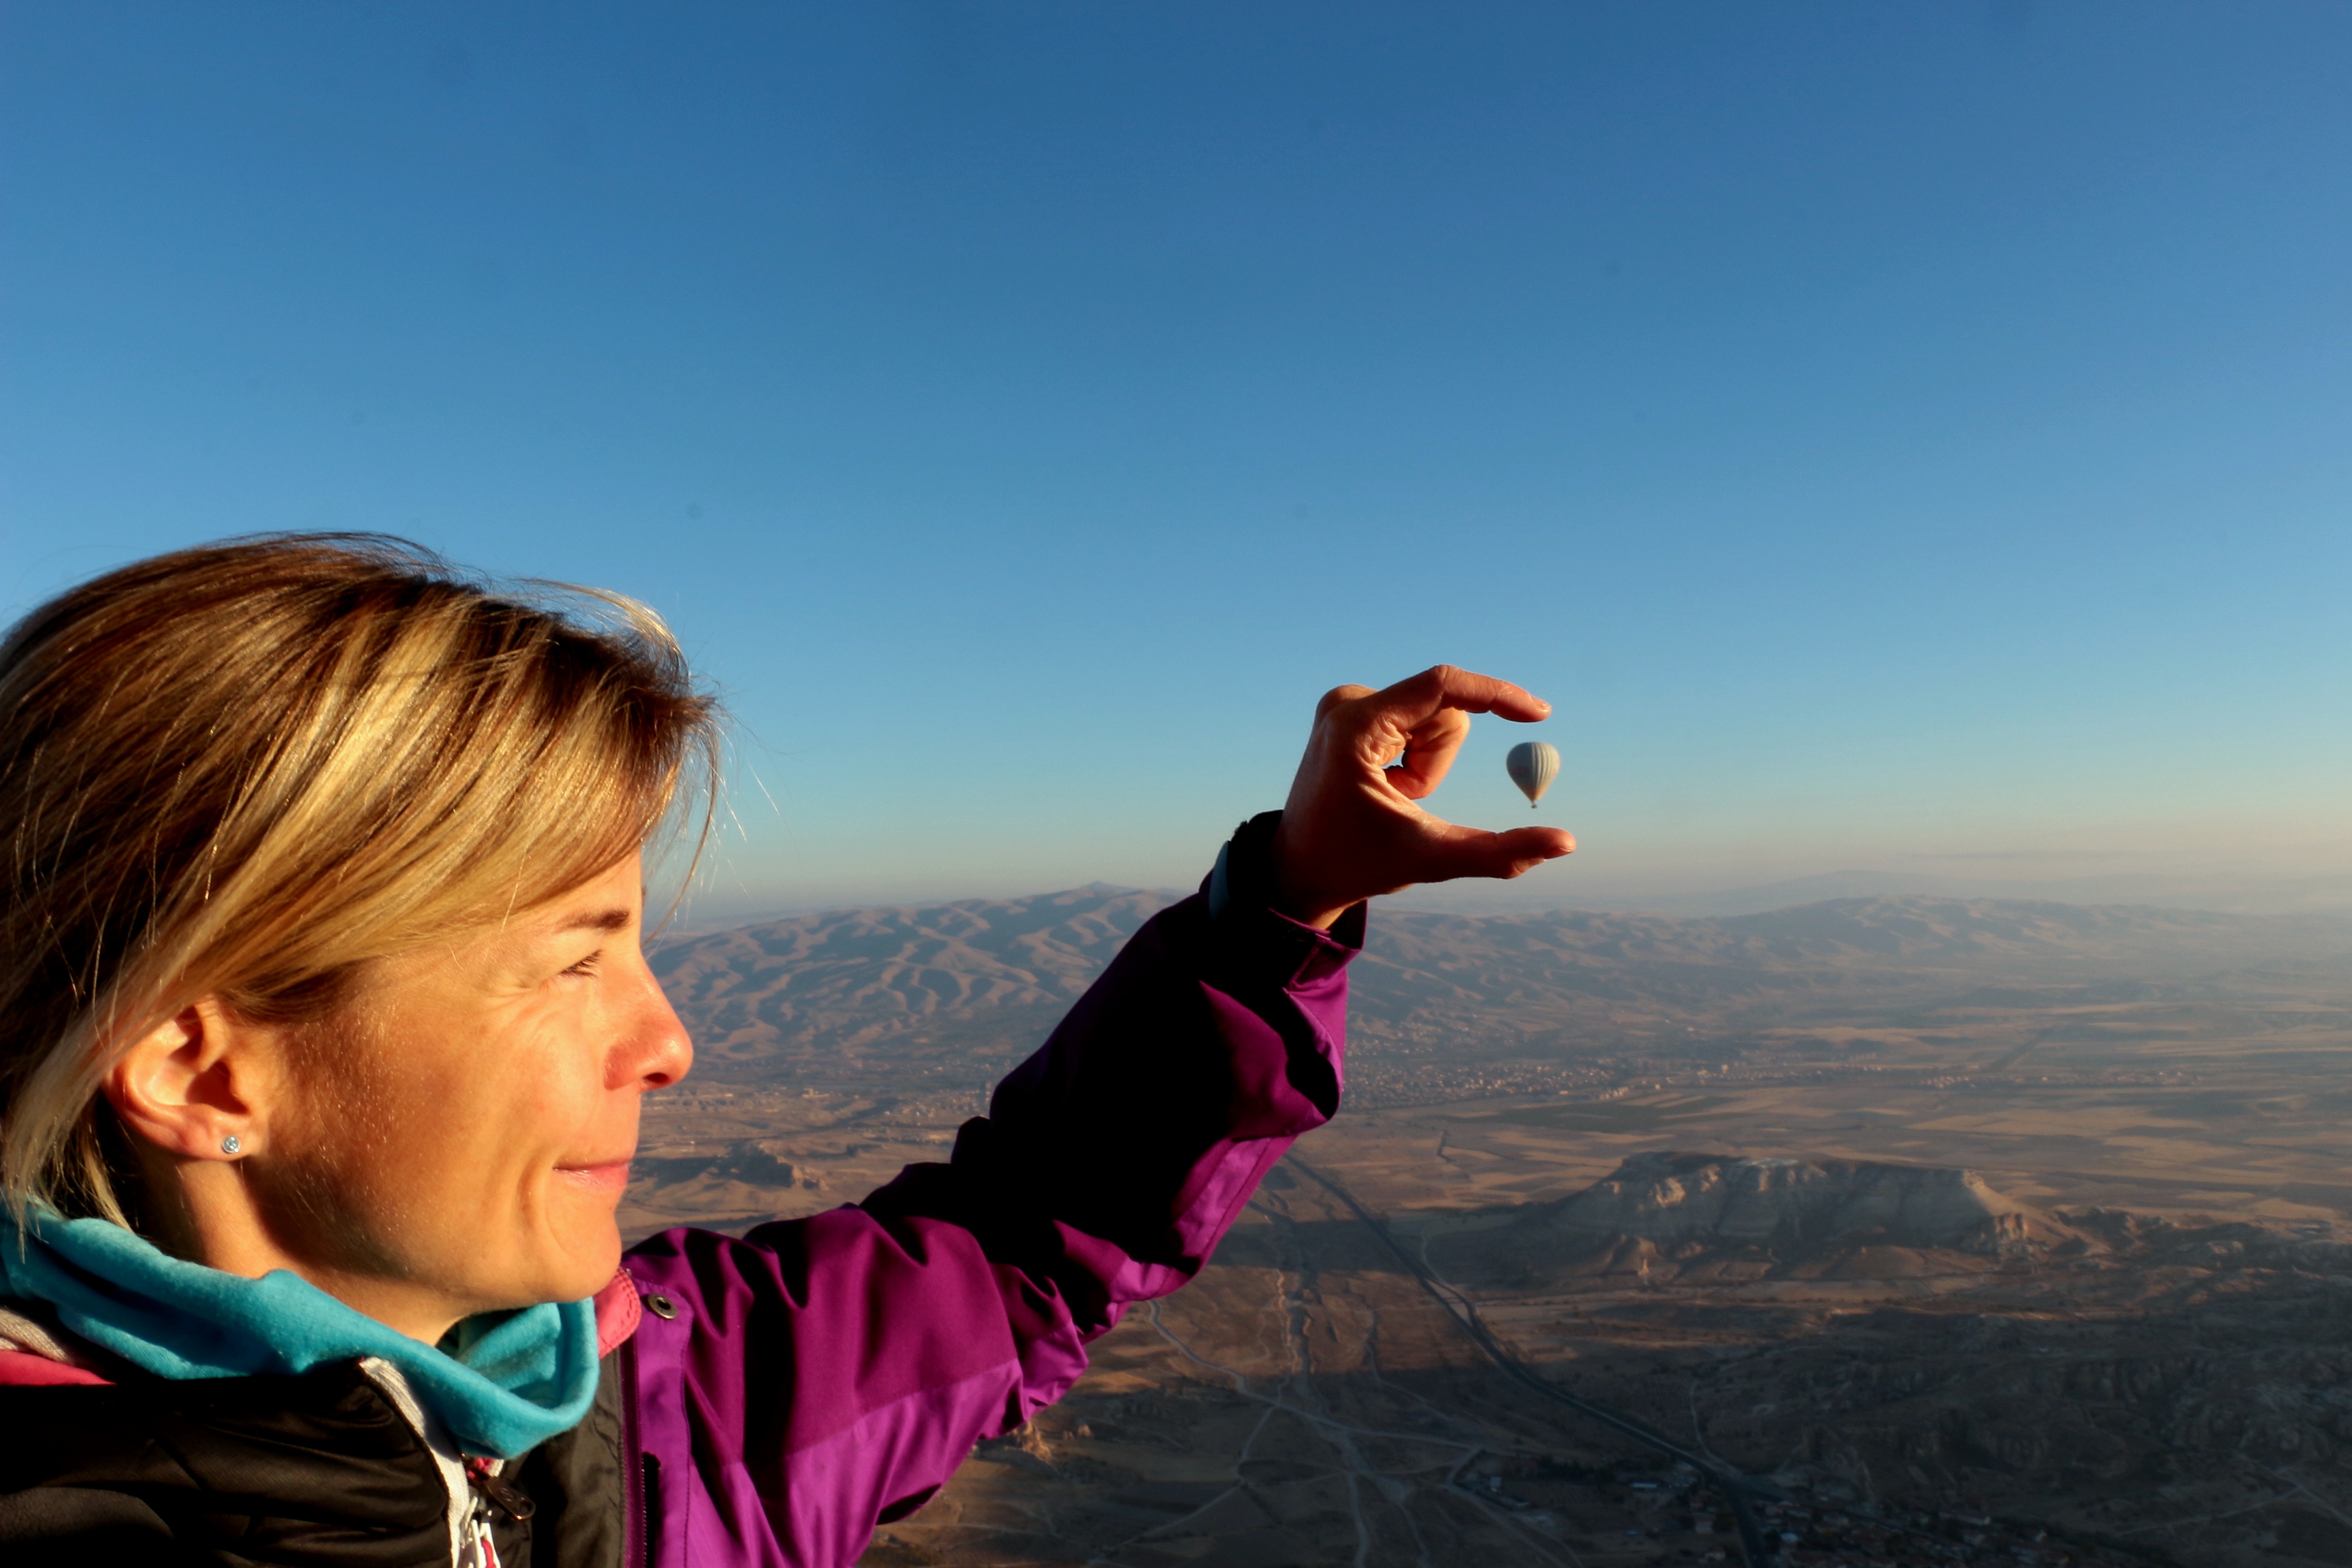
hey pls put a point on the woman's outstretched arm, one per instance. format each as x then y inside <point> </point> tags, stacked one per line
<point>822,1375</point>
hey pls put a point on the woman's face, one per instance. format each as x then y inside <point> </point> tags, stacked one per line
<point>465,1136</point>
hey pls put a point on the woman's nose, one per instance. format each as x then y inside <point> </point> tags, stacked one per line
<point>657,1051</point>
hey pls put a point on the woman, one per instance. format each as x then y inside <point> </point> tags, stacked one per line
<point>324,1025</point>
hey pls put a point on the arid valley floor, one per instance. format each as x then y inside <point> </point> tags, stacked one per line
<point>1936,1231</point>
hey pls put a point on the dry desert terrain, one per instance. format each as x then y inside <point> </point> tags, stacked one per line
<point>1876,1231</point>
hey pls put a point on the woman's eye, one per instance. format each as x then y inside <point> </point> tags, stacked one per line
<point>586,965</point>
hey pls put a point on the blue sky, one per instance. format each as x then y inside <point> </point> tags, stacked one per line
<point>1902,437</point>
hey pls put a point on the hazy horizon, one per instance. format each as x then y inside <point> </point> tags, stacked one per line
<point>2251,894</point>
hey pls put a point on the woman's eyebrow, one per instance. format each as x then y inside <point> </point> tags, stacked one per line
<point>599,920</point>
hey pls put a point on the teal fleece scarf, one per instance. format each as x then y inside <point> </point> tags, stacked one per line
<point>502,1383</point>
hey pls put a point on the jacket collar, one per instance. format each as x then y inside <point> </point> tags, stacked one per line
<point>502,1383</point>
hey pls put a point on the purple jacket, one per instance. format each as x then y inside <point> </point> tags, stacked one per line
<point>787,1391</point>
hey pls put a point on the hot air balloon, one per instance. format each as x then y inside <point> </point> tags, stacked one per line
<point>1533,766</point>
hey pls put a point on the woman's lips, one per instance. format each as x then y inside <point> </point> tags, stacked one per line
<point>608,1180</point>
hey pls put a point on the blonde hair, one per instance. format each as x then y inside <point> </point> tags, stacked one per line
<point>245,770</point>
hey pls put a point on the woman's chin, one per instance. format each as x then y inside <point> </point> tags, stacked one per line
<point>590,1256</point>
<point>587,1236</point>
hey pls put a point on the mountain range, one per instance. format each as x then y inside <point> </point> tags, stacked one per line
<point>955,993</point>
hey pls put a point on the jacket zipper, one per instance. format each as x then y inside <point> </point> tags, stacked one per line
<point>639,1536</point>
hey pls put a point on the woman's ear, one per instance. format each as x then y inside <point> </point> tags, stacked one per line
<point>194,1086</point>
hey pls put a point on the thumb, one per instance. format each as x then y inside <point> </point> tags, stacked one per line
<point>1469,852</point>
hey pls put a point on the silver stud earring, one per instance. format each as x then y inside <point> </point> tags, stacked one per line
<point>229,1145</point>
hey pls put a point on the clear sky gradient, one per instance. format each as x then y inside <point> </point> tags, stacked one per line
<point>1894,436</point>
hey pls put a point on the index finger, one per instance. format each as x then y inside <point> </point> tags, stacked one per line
<point>1412,701</point>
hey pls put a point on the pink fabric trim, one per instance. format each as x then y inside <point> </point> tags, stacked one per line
<point>23,1369</point>
<point>618,1313</point>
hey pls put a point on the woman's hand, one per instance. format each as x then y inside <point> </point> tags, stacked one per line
<point>1351,829</point>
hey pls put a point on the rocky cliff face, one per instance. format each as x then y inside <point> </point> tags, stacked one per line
<point>1724,1218</point>
<point>1792,1204</point>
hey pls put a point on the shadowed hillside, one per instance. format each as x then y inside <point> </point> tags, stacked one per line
<point>963,988</point>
